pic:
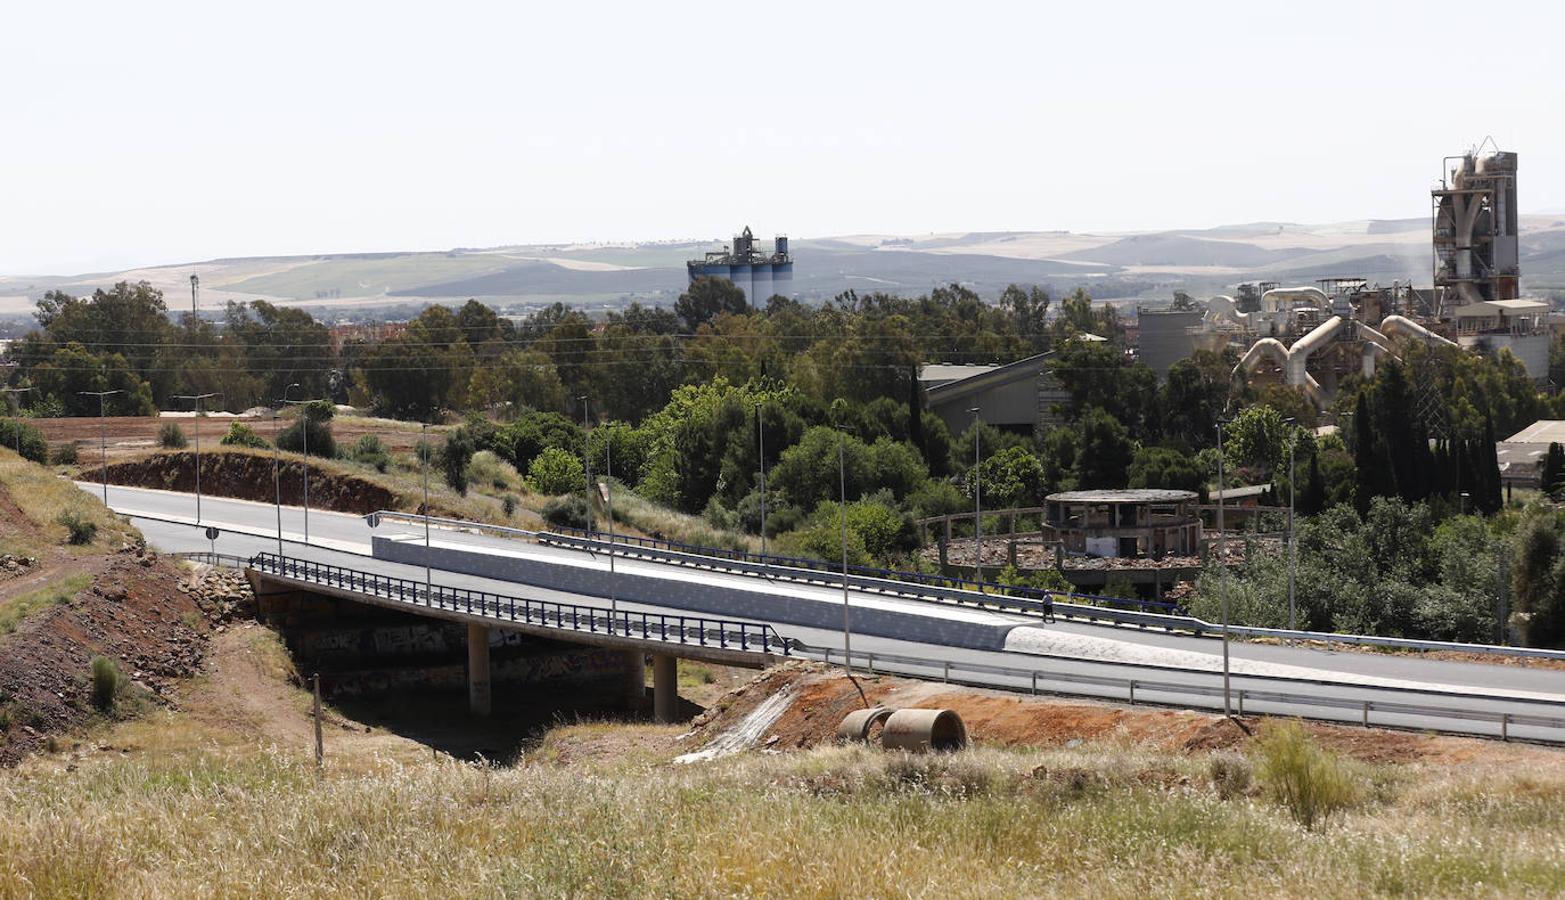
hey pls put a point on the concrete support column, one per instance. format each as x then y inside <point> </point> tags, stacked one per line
<point>945,559</point>
<point>478,670</point>
<point>665,687</point>
<point>635,679</point>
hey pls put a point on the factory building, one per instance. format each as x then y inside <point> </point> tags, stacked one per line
<point>759,274</point>
<point>1018,396</point>
<point>1165,336</point>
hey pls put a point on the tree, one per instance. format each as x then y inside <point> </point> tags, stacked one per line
<point>1010,478</point>
<point>554,471</point>
<point>706,299</point>
<point>1106,452</point>
<point>454,457</point>
<point>807,472</point>
<point>1160,467</point>
<point>1258,438</point>
<point>1553,469</point>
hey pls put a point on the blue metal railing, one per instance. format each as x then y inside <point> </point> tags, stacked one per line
<point>724,634</point>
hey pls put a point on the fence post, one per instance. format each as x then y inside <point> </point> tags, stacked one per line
<point>320,746</point>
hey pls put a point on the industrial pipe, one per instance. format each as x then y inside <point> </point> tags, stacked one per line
<point>1405,327</point>
<point>924,730</point>
<point>857,725</point>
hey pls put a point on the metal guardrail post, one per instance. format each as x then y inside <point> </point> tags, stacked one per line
<point>1035,684</point>
<point>1132,692</point>
<point>1505,726</point>
<point>1241,702</point>
<point>1366,713</point>
<point>947,673</point>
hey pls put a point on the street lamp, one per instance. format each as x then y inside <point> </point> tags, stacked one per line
<point>586,462</point>
<point>304,429</point>
<point>1222,570</point>
<point>608,487</point>
<point>426,451</point>
<point>277,483</point>
<point>842,480</point>
<point>978,509</point>
<point>196,427</point>
<point>1292,554</point>
<point>760,441</point>
<point>103,437</point>
<point>17,390</point>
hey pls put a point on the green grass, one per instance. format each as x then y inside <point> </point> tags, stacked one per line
<point>48,500</point>
<point>13,611</point>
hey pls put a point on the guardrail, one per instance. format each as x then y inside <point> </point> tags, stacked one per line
<point>206,557</point>
<point>724,634</point>
<point>1128,688</point>
<point>1058,603</point>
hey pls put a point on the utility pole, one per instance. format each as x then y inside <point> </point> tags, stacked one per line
<point>978,508</point>
<point>195,287</point>
<point>103,437</point>
<point>304,430</point>
<point>428,451</point>
<point>196,427</point>
<point>1222,572</point>
<point>608,486</point>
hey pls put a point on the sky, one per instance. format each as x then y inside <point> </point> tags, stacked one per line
<point>156,133</point>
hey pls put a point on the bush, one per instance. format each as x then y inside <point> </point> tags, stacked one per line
<point>1230,774</point>
<point>556,471</point>
<point>487,469</point>
<point>370,451</point>
<point>508,505</point>
<point>63,454</point>
<point>105,683</point>
<point>1311,782</point>
<point>569,512</point>
<point>31,439</point>
<point>80,529</point>
<point>321,442</point>
<point>172,437</point>
<point>454,456</point>
<point>242,435</point>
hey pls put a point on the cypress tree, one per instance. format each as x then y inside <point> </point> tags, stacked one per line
<point>1314,488</point>
<point>1490,498</point>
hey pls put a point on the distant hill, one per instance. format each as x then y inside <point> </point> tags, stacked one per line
<point>1112,266</point>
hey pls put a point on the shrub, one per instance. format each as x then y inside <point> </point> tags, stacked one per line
<point>321,442</point>
<point>508,505</point>
<point>570,512</point>
<point>454,456</point>
<point>488,469</point>
<point>242,435</point>
<point>172,437</point>
<point>30,438</point>
<point>105,683</point>
<point>80,529</point>
<point>369,450</point>
<point>1311,782</point>
<point>63,454</point>
<point>1230,774</point>
<point>556,471</point>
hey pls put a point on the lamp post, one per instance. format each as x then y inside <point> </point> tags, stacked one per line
<point>17,390</point>
<point>586,462</point>
<point>426,451</point>
<point>842,481</point>
<point>978,508</point>
<point>196,427</point>
<point>1222,571</point>
<point>277,483</point>
<point>760,441</point>
<point>103,438</point>
<point>608,487</point>
<point>1292,556</point>
<point>304,429</point>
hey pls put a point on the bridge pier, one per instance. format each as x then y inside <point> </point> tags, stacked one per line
<point>635,679</point>
<point>478,690</point>
<point>665,687</point>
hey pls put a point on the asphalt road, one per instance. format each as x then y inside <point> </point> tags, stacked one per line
<point>1183,663</point>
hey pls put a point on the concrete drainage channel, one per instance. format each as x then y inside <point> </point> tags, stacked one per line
<point>912,730</point>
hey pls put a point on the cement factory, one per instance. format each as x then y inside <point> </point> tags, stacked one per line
<point>758,274</point>
<point>1311,337</point>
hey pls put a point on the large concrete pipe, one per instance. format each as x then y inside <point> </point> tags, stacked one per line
<point>1372,354</point>
<point>1401,326</point>
<point>1299,353</point>
<point>1261,351</point>
<point>1223,308</point>
<point>1284,299</point>
<point>860,724</point>
<point>924,730</point>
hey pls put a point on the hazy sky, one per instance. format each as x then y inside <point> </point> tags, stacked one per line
<point>145,133</point>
